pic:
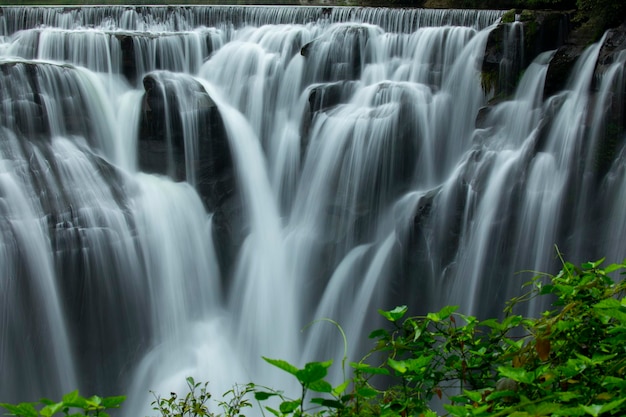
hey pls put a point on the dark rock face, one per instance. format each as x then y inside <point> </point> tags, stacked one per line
<point>513,45</point>
<point>147,52</point>
<point>341,55</point>
<point>24,87</point>
<point>165,134</point>
<point>614,44</point>
<point>323,97</point>
<point>545,31</point>
<point>560,67</point>
<point>168,146</point>
<point>613,51</point>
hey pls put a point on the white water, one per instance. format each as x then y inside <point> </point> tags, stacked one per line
<point>360,182</point>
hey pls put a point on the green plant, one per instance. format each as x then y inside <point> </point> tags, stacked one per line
<point>195,402</point>
<point>569,361</point>
<point>311,379</point>
<point>605,13</point>
<point>71,405</point>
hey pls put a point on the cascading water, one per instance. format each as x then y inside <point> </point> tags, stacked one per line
<point>184,188</point>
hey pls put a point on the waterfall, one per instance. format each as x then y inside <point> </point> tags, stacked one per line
<point>186,189</point>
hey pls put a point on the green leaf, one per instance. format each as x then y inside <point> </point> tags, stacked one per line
<point>612,308</point>
<point>287,407</point>
<point>571,411</point>
<point>417,332</point>
<point>491,323</point>
<point>444,313</point>
<point>496,395</point>
<point>51,409</point>
<point>368,369</point>
<point>511,321</point>
<point>418,365</point>
<point>263,395</point>
<point>613,268</point>
<point>320,386</point>
<point>474,396</point>
<point>395,314</point>
<point>281,364</point>
<point>598,409</point>
<point>379,334</point>
<point>341,388</point>
<point>613,405</point>
<point>547,289</point>
<point>313,371</point>
<point>11,408</point>
<point>21,409</point>
<point>567,396</point>
<point>367,392</point>
<point>73,399</point>
<point>94,401</point>
<point>456,410</point>
<point>328,403</point>
<point>517,374</point>
<point>594,410</point>
<point>113,402</point>
<point>27,410</point>
<point>447,311</point>
<point>543,409</point>
<point>398,366</point>
<point>275,412</point>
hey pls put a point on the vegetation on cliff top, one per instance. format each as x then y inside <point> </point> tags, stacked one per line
<point>570,361</point>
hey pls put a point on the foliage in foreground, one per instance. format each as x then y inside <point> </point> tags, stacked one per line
<point>71,405</point>
<point>571,361</point>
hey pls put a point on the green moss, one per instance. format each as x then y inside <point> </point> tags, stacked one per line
<point>489,81</point>
<point>527,16</point>
<point>509,17</point>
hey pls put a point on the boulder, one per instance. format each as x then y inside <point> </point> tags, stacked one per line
<point>339,55</point>
<point>168,101</point>
<point>516,42</point>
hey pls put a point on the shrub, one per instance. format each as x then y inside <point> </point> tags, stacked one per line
<point>570,361</point>
<point>72,404</point>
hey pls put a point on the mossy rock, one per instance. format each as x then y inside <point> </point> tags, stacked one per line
<point>509,17</point>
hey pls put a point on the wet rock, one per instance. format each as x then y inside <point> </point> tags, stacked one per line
<point>560,67</point>
<point>516,42</point>
<point>32,92</point>
<point>142,52</point>
<point>323,97</point>
<point>174,105</point>
<point>614,45</point>
<point>339,55</point>
<point>612,52</point>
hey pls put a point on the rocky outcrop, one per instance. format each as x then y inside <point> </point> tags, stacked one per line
<point>145,51</point>
<point>339,55</point>
<point>516,41</point>
<point>612,49</point>
<point>182,135</point>
<point>323,97</point>
<point>179,114</point>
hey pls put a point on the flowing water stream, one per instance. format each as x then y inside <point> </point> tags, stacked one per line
<point>184,189</point>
